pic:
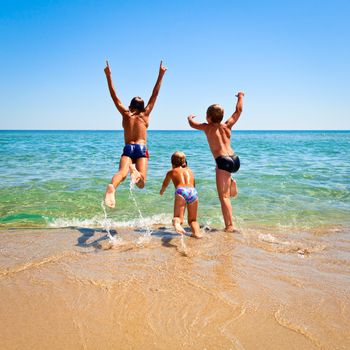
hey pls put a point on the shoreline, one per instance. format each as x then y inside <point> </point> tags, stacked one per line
<point>65,288</point>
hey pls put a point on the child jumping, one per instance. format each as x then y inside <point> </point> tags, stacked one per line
<point>219,139</point>
<point>185,194</point>
<point>135,124</point>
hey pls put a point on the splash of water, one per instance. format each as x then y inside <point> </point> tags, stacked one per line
<point>183,245</point>
<point>148,231</point>
<point>107,224</point>
<point>182,249</point>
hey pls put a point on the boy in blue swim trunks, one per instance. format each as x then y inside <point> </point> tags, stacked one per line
<point>185,194</point>
<point>227,162</point>
<point>135,123</point>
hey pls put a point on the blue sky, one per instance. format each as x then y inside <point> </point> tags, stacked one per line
<point>290,57</point>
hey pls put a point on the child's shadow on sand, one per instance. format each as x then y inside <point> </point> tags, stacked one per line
<point>88,233</point>
<point>166,237</point>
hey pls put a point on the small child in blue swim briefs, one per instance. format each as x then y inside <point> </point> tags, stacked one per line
<point>185,194</point>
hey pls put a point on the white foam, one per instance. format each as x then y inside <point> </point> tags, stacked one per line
<point>99,222</point>
<point>268,238</point>
<point>300,247</point>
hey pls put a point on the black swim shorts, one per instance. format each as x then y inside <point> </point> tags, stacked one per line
<point>228,163</point>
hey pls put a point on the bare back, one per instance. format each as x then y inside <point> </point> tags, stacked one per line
<point>219,139</point>
<point>135,127</point>
<point>182,177</point>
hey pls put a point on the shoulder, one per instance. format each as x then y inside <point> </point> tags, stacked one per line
<point>144,117</point>
<point>190,170</point>
<point>225,126</point>
<point>126,114</point>
<point>207,127</point>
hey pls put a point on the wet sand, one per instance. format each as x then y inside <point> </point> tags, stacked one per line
<point>257,289</point>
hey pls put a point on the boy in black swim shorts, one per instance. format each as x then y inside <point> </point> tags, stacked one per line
<point>219,139</point>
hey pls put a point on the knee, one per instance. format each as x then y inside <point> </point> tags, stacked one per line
<point>224,197</point>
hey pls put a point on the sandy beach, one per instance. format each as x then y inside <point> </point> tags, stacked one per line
<point>69,289</point>
<point>115,115</point>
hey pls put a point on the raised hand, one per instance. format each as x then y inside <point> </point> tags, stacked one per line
<point>162,69</point>
<point>190,117</point>
<point>107,69</point>
<point>240,94</point>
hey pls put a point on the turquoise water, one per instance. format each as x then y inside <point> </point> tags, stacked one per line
<point>58,178</point>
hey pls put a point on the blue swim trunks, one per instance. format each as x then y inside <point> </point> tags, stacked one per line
<point>189,194</point>
<point>135,151</point>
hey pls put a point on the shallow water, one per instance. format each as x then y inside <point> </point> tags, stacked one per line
<point>258,289</point>
<point>58,178</point>
<point>283,281</point>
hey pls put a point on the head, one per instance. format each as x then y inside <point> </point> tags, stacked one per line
<point>215,113</point>
<point>137,104</point>
<point>178,159</point>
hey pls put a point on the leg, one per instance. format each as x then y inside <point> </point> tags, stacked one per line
<point>223,184</point>
<point>141,171</point>
<point>179,210</point>
<point>116,180</point>
<point>192,219</point>
<point>233,188</point>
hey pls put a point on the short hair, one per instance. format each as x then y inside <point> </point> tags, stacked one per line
<point>215,113</point>
<point>179,159</point>
<point>137,103</point>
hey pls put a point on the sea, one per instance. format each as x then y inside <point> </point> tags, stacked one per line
<point>292,179</point>
<point>73,275</point>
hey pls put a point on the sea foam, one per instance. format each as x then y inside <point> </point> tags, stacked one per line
<point>99,222</point>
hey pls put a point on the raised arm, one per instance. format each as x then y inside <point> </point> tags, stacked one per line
<point>195,125</point>
<point>114,96</point>
<point>230,122</point>
<point>156,89</point>
<point>165,183</point>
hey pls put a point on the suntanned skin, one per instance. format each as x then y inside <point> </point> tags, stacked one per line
<point>219,140</point>
<point>135,124</point>
<point>182,177</point>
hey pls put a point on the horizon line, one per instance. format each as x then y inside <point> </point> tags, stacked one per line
<point>172,130</point>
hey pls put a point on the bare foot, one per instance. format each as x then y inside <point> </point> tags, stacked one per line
<point>178,228</point>
<point>197,235</point>
<point>109,197</point>
<point>134,174</point>
<point>233,188</point>
<point>229,229</point>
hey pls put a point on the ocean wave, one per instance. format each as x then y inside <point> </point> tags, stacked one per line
<point>100,222</point>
